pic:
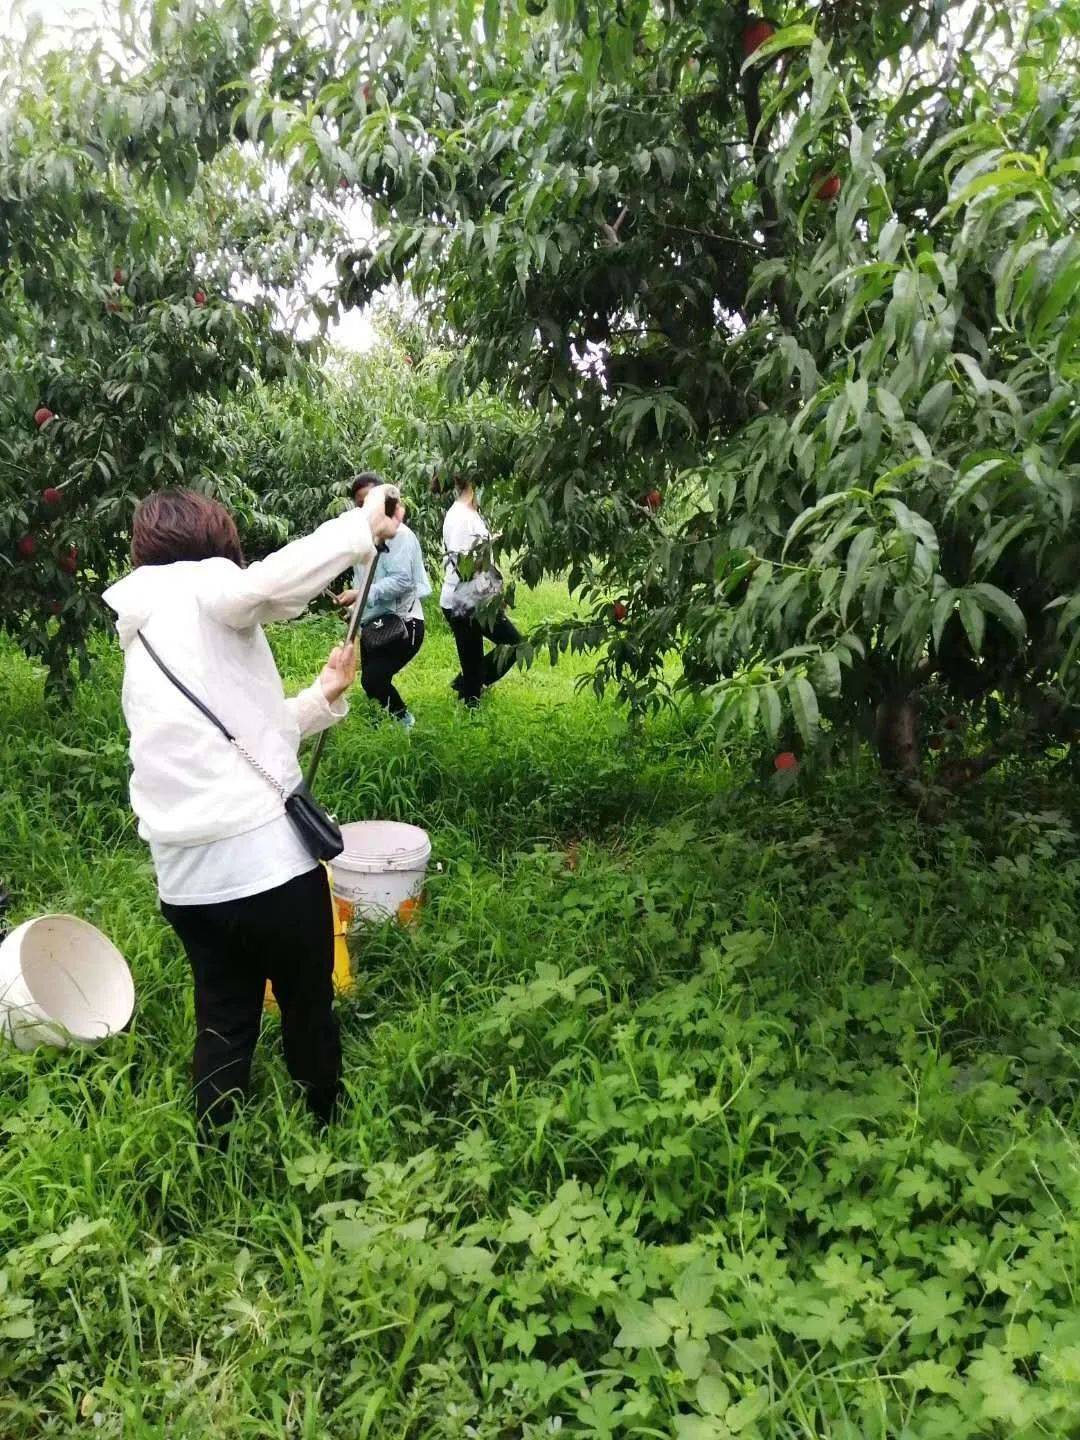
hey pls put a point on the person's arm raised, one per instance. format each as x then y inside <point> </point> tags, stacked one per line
<point>280,587</point>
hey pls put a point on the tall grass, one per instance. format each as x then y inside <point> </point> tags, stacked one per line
<point>687,1109</point>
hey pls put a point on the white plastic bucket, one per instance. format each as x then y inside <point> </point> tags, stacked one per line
<point>62,982</point>
<point>380,873</point>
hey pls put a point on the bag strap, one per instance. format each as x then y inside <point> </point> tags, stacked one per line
<point>451,557</point>
<point>205,709</point>
<point>188,694</point>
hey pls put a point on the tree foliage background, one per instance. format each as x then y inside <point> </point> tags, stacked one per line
<point>126,216</point>
<point>820,297</point>
<point>285,451</point>
<point>778,319</point>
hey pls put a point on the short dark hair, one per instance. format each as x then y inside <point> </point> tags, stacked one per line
<point>172,525</point>
<point>364,481</point>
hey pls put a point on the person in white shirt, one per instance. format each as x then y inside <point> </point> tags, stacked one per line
<point>395,599</point>
<point>466,537</point>
<point>245,896</point>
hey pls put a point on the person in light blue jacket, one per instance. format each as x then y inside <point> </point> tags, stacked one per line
<point>392,625</point>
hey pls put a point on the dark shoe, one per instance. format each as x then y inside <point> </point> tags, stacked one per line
<point>324,1102</point>
<point>458,687</point>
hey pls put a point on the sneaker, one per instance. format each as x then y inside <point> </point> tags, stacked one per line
<point>406,721</point>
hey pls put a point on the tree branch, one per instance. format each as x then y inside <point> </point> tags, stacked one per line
<point>965,770</point>
<point>712,235</point>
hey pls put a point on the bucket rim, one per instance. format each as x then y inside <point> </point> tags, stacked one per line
<point>382,864</point>
<point>50,1022</point>
<point>412,853</point>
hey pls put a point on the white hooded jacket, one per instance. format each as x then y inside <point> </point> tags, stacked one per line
<point>189,786</point>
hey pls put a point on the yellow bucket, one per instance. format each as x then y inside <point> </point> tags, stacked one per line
<point>343,920</point>
<point>342,911</point>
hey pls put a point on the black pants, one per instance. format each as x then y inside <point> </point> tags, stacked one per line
<point>477,669</point>
<point>285,936</point>
<point>378,667</point>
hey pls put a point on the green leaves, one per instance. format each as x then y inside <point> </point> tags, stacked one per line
<point>769,702</point>
<point>804,707</point>
<point>975,604</point>
<point>1003,607</point>
<point>933,1308</point>
<point>859,555</point>
<point>1000,185</point>
<point>661,408</point>
<point>492,17</point>
<point>889,406</point>
<point>712,1395</point>
<point>791,37</point>
<point>812,514</point>
<point>973,620</point>
<point>640,1327</point>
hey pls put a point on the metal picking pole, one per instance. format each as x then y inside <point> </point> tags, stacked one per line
<point>350,636</point>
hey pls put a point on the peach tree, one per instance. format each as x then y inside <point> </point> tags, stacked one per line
<point>139,256</point>
<point>793,298</point>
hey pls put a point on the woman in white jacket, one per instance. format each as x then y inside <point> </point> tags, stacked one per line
<point>244,895</point>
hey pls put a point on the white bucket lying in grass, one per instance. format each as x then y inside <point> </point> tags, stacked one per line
<point>380,873</point>
<point>62,983</point>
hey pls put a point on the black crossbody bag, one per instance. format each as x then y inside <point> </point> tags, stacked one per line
<point>384,630</point>
<point>319,832</point>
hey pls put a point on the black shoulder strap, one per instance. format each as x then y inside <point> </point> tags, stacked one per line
<point>184,689</point>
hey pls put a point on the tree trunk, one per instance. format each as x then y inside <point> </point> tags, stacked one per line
<point>897,738</point>
<point>896,735</point>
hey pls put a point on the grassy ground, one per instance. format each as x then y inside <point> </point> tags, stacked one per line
<point>687,1110</point>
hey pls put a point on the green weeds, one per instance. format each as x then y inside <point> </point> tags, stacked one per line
<point>686,1110</point>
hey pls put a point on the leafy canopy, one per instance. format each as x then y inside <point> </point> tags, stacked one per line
<point>784,314</point>
<point>817,299</point>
